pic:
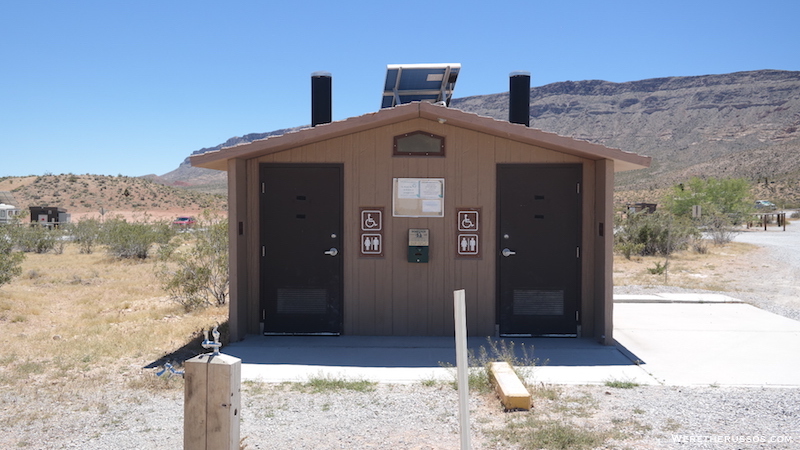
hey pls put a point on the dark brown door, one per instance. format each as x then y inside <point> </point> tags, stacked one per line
<point>301,254</point>
<point>538,265</point>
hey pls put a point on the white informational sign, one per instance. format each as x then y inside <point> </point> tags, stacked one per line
<point>431,206</point>
<point>407,188</point>
<point>431,189</point>
<point>418,197</point>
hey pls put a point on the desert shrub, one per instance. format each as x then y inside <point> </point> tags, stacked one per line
<point>699,246</point>
<point>34,238</point>
<point>194,266</point>
<point>125,239</point>
<point>659,233</point>
<point>720,227</point>
<point>10,261</point>
<point>85,233</point>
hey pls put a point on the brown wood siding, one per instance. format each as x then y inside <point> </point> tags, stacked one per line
<point>388,295</point>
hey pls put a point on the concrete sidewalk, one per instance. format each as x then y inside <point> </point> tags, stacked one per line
<point>730,344</point>
<point>671,339</point>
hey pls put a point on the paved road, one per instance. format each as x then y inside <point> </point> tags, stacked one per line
<point>785,245</point>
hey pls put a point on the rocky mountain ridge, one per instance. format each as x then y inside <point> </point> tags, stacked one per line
<point>744,124</point>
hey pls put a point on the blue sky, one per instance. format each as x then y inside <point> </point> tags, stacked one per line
<point>110,87</point>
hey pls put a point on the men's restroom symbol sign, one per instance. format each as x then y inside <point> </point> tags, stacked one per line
<point>468,221</point>
<point>371,220</point>
<point>371,236</point>
<point>468,244</point>
<point>371,244</point>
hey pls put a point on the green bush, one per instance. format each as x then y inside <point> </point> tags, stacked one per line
<point>194,266</point>
<point>659,233</point>
<point>125,239</point>
<point>86,233</point>
<point>726,196</point>
<point>34,238</point>
<point>10,261</point>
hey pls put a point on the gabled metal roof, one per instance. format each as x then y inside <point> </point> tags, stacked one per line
<point>622,160</point>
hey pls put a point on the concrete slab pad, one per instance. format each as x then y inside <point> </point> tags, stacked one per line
<point>710,344</point>
<point>683,339</point>
<point>416,359</point>
<point>674,298</point>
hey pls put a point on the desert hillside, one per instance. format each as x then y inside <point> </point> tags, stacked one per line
<point>98,195</point>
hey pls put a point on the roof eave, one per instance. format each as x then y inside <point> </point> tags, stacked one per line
<point>218,159</point>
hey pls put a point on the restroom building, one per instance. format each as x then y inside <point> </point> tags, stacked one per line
<point>366,226</point>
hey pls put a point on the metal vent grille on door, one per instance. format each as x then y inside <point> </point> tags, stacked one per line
<point>534,302</point>
<point>302,301</point>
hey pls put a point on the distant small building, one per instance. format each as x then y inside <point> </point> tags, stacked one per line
<point>51,216</point>
<point>7,213</point>
<point>642,207</point>
<point>7,209</point>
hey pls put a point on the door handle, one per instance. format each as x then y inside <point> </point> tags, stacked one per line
<point>332,252</point>
<point>506,252</point>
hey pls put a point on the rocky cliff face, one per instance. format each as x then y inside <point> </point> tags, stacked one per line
<point>744,124</point>
<point>680,121</point>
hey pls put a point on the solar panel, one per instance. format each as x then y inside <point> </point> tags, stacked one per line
<point>7,198</point>
<point>407,83</point>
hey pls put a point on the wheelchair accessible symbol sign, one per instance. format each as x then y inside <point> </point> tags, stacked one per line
<point>468,236</point>
<point>371,241</point>
<point>468,221</point>
<point>371,220</point>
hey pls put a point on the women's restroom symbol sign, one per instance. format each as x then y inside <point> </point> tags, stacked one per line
<point>468,237</point>
<point>371,241</point>
<point>468,244</point>
<point>371,244</point>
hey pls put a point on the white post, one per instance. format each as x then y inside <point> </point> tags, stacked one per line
<point>462,365</point>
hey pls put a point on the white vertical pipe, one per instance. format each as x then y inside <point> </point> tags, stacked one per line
<point>462,367</point>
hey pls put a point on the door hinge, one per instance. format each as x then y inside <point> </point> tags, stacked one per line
<point>263,188</point>
<point>577,316</point>
<point>263,251</point>
<point>578,187</point>
<point>578,252</point>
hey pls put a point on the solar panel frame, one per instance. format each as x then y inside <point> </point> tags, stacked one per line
<point>406,83</point>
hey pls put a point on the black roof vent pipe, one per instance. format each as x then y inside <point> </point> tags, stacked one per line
<point>321,98</point>
<point>519,97</point>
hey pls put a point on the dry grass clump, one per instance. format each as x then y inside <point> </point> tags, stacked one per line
<point>74,321</point>
<point>710,270</point>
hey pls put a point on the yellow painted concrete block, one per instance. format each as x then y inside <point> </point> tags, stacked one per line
<point>512,392</point>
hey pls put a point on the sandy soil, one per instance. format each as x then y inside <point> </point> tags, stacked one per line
<point>759,267</point>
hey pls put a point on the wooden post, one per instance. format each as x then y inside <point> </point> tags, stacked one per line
<point>212,402</point>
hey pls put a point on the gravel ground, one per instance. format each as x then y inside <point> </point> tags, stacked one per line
<point>419,417</point>
<point>287,416</point>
